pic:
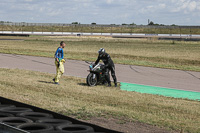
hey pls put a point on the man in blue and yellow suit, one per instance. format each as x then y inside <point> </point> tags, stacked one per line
<point>59,62</point>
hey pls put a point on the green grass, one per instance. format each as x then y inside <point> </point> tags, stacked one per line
<point>103,29</point>
<point>154,53</point>
<point>75,99</point>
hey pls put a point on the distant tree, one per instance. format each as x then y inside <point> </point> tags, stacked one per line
<point>93,23</point>
<point>155,24</point>
<point>74,22</point>
<point>151,23</point>
<point>124,24</point>
<point>133,23</point>
<point>173,25</point>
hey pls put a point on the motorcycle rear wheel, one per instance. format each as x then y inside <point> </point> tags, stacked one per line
<point>91,81</point>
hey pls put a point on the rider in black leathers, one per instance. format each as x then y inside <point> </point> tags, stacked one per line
<point>109,66</point>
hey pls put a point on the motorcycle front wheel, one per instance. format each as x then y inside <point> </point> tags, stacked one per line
<point>92,79</point>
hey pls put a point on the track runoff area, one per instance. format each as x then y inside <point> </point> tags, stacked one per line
<point>168,92</point>
<point>156,81</point>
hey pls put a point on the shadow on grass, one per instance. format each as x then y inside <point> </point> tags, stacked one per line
<point>83,84</point>
<point>46,82</point>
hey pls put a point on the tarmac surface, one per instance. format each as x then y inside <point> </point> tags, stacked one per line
<point>175,79</point>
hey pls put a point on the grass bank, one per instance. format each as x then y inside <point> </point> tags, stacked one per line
<point>75,99</point>
<point>143,52</point>
<point>103,29</point>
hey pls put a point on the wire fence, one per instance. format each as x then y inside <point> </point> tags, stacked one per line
<point>96,28</point>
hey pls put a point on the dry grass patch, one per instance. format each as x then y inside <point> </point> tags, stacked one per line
<point>76,99</point>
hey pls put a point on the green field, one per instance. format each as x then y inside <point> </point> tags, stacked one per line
<point>104,29</point>
<point>144,52</point>
<point>74,98</point>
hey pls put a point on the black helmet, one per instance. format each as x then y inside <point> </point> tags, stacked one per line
<point>101,52</point>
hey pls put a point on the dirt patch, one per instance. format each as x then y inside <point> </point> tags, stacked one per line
<point>127,127</point>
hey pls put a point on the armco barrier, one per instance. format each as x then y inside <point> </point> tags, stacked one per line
<point>22,106</point>
<point>4,128</point>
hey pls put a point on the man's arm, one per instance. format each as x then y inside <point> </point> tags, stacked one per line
<point>108,59</point>
<point>97,61</point>
<point>56,56</point>
<point>62,54</point>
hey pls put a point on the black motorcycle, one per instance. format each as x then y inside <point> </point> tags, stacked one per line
<point>96,75</point>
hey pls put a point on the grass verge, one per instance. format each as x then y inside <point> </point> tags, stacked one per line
<point>76,99</point>
<point>153,53</point>
<point>103,29</point>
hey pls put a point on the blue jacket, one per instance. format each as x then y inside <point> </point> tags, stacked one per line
<point>59,53</point>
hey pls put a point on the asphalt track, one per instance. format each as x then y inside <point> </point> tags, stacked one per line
<point>175,79</point>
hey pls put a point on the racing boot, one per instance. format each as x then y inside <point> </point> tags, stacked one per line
<point>115,84</point>
<point>109,84</point>
<point>56,83</point>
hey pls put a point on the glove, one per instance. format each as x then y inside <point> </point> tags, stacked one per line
<point>58,63</point>
<point>63,60</point>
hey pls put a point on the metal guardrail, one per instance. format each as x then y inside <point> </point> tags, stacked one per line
<point>4,128</point>
<point>100,34</point>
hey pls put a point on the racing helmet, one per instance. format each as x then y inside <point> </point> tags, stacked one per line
<point>101,52</point>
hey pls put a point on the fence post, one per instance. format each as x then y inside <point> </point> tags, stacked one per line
<point>160,30</point>
<point>72,29</point>
<point>12,28</point>
<point>180,32</point>
<point>170,32</point>
<point>111,30</point>
<point>131,30</point>
<point>42,29</point>
<point>91,30</point>
<point>81,29</point>
<point>62,28</point>
<point>32,28</point>
<point>101,29</point>
<point>52,29</point>
<point>2,27</point>
<point>22,28</point>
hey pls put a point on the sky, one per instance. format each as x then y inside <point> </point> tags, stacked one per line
<point>180,12</point>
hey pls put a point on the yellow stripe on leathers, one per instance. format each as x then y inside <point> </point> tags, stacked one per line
<point>59,70</point>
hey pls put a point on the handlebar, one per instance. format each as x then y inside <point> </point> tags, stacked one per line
<point>88,62</point>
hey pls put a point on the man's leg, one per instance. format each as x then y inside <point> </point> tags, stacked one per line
<point>113,75</point>
<point>107,75</point>
<point>60,71</point>
<point>56,80</point>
